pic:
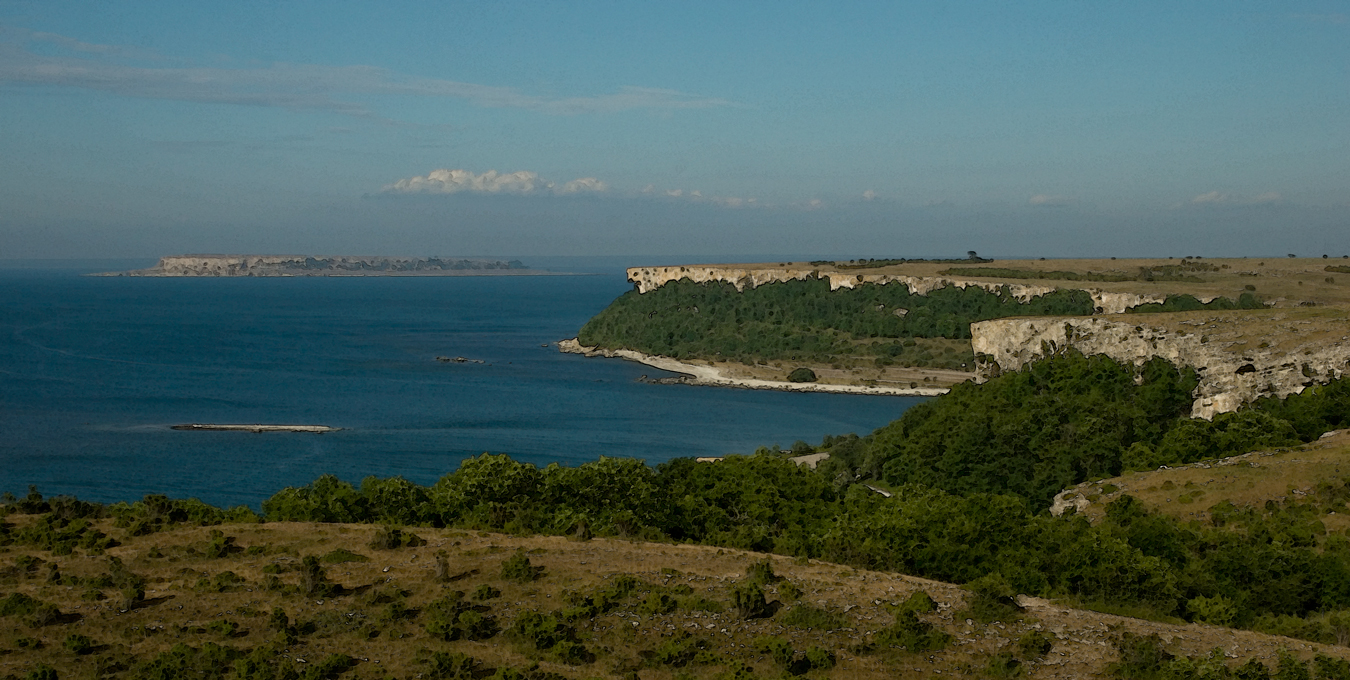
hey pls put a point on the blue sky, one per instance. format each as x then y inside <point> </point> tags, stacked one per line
<point>703,129</point>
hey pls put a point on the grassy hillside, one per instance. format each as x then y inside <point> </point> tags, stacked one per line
<point>1308,474</point>
<point>236,601</point>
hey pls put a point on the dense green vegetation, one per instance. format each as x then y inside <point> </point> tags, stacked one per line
<point>805,321</point>
<point>1189,303</point>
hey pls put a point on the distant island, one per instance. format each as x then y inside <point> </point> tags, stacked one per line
<point>342,265</point>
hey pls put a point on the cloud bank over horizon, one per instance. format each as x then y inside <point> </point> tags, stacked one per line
<point>522,182</point>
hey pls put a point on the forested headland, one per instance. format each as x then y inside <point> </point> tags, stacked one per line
<point>804,321</point>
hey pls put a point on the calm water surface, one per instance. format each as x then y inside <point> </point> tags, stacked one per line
<point>93,371</point>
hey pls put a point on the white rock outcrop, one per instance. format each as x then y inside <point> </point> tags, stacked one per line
<point>650,278</point>
<point>1228,379</point>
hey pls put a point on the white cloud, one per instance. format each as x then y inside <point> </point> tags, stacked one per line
<point>524,182</point>
<point>1049,200</point>
<point>293,86</point>
<point>1210,198</point>
<point>869,195</point>
<point>583,185</point>
<point>696,196</point>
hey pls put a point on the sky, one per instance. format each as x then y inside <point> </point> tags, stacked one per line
<point>699,129</point>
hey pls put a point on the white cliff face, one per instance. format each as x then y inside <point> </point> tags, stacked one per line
<point>222,265</point>
<point>1228,379</point>
<point>302,265</point>
<point>650,278</point>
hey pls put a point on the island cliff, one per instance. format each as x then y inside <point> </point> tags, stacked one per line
<point>345,265</point>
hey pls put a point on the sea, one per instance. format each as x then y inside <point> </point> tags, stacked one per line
<point>95,370</point>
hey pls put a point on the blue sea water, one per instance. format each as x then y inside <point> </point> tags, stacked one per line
<point>93,371</point>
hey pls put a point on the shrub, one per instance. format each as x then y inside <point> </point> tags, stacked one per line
<point>1140,656</point>
<point>451,618</point>
<point>44,614</point>
<point>748,598</point>
<point>18,604</point>
<point>79,644</point>
<point>919,602</point>
<point>343,555</point>
<point>391,537</point>
<point>760,572</point>
<point>329,667</point>
<point>313,578</point>
<point>807,616</point>
<point>220,545</point>
<point>820,659</point>
<point>992,599</point>
<point>790,592</point>
<point>518,568</point>
<point>486,592</point>
<point>210,662</point>
<point>778,649</point>
<point>1217,610</point>
<point>1291,668</point>
<point>451,666</point>
<point>681,650</point>
<point>548,632</point>
<point>1033,645</point>
<point>911,633</point>
<point>656,603</point>
<point>41,672</point>
<point>802,375</point>
<point>223,627</point>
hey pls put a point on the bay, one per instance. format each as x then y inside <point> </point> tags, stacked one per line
<point>93,371</point>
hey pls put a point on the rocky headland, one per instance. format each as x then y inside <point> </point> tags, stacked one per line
<point>343,265</point>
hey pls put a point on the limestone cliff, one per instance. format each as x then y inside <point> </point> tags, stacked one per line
<point>651,278</point>
<point>1232,371</point>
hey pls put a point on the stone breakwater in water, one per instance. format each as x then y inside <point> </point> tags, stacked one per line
<point>651,278</point>
<point>1228,378</point>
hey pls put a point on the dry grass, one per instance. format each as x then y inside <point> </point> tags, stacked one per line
<point>175,612</point>
<point>1188,492</point>
<point>1282,280</point>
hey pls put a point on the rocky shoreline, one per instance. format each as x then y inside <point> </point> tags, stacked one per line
<point>696,374</point>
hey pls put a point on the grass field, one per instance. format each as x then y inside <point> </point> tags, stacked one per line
<point>380,616</point>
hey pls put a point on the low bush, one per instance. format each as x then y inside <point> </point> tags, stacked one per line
<point>807,616</point>
<point>79,644</point>
<point>912,634</point>
<point>748,598</point>
<point>451,618</point>
<point>549,633</point>
<point>343,555</point>
<point>518,568</point>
